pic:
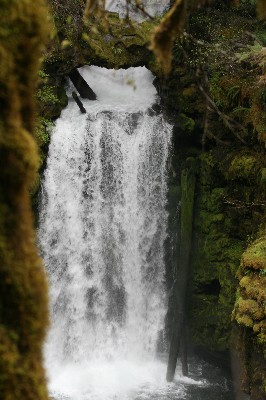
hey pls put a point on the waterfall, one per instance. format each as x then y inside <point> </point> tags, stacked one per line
<point>103,224</point>
<point>154,8</point>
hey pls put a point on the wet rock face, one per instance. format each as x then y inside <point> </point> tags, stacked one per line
<point>230,196</point>
<point>215,259</point>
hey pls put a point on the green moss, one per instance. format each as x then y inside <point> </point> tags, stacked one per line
<point>251,286</point>
<point>186,123</point>
<point>42,131</point>
<point>230,190</point>
<point>250,310</point>
<point>109,42</point>
<point>23,291</point>
<point>218,249</point>
<point>120,43</point>
<point>255,256</point>
<point>250,307</point>
<point>215,258</point>
<point>47,95</point>
<point>244,166</point>
<point>51,98</point>
<point>245,320</point>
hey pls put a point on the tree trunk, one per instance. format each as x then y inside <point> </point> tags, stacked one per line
<point>23,288</point>
<point>79,102</point>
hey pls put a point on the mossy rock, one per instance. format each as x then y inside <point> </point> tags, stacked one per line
<point>255,255</point>
<point>111,42</point>
<point>244,166</point>
<point>254,285</point>
<point>250,307</point>
<point>215,259</point>
<point>250,312</point>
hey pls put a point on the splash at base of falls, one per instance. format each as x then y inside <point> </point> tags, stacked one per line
<point>109,381</point>
<point>131,380</point>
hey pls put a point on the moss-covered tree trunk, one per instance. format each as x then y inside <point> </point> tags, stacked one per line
<point>188,181</point>
<point>23,291</point>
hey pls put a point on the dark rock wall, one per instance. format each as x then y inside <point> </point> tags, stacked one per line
<point>215,99</point>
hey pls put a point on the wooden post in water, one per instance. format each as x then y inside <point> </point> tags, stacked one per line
<point>183,350</point>
<point>81,85</point>
<point>188,181</point>
<point>79,102</point>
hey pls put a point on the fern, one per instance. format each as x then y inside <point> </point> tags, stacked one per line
<point>233,94</point>
<point>240,112</point>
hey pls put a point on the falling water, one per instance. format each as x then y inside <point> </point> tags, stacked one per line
<point>102,232</point>
<point>153,8</point>
<point>103,223</point>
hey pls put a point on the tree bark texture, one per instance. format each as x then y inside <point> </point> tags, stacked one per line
<point>23,288</point>
<point>188,181</point>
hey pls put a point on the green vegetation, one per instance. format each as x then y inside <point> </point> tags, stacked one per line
<point>221,91</point>
<point>216,99</point>
<point>103,40</point>
<point>250,311</point>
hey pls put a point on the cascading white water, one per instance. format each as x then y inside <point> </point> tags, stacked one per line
<point>102,230</point>
<point>153,8</point>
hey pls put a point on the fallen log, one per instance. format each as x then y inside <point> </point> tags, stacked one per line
<point>81,85</point>
<point>79,102</point>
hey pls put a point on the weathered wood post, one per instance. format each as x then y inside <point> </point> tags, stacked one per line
<point>188,181</point>
<point>81,85</point>
<point>79,102</point>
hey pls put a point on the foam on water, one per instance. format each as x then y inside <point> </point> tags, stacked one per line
<point>124,379</point>
<point>129,90</point>
<point>114,380</point>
